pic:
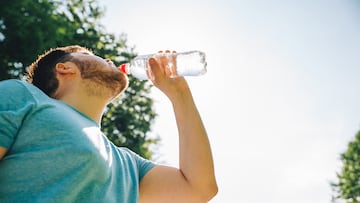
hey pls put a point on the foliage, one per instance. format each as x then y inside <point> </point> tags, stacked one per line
<point>29,27</point>
<point>348,185</point>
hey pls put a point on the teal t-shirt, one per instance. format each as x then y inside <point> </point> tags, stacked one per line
<point>57,154</point>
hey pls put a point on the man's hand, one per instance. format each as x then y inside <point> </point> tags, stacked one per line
<point>163,70</point>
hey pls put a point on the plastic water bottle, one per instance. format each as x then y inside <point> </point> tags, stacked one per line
<point>190,63</point>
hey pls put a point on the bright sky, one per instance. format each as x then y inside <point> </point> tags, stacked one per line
<point>281,97</point>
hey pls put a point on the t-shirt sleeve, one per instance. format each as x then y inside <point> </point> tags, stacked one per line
<point>144,165</point>
<point>15,103</point>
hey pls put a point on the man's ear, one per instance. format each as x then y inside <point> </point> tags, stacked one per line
<point>65,68</point>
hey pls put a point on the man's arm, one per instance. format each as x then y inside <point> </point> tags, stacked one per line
<point>194,181</point>
<point>2,152</point>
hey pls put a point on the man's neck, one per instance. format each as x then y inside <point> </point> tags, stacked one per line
<point>92,107</point>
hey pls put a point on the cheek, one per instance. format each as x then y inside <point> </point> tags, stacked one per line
<point>92,69</point>
<point>100,72</point>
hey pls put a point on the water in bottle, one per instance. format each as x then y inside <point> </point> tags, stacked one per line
<point>190,63</point>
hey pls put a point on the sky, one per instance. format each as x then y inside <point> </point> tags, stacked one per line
<point>280,100</point>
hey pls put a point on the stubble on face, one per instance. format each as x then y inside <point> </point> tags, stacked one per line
<point>100,81</point>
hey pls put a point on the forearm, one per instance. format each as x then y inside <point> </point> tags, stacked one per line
<point>196,162</point>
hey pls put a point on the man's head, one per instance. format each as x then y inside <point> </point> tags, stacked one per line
<point>95,71</point>
<point>42,73</point>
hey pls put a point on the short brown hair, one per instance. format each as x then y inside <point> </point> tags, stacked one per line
<point>41,73</point>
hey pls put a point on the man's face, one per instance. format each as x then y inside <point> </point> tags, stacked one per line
<point>101,77</point>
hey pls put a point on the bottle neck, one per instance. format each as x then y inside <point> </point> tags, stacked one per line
<point>124,68</point>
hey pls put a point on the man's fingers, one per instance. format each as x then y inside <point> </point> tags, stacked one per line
<point>155,69</point>
<point>163,65</point>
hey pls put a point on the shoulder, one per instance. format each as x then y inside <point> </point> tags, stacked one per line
<point>17,89</point>
<point>11,83</point>
<point>13,91</point>
<point>19,96</point>
<point>14,86</point>
<point>130,154</point>
<point>16,103</point>
<point>141,164</point>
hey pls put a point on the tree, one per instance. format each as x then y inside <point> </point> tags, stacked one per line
<point>347,186</point>
<point>29,27</point>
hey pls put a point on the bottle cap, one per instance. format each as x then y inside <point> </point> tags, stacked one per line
<point>124,68</point>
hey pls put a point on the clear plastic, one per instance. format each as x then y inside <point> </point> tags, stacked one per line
<point>190,63</point>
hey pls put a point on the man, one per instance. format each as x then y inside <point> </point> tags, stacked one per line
<point>52,149</point>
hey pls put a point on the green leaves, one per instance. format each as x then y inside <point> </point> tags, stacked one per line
<point>348,185</point>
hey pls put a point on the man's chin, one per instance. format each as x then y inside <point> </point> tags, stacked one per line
<point>122,85</point>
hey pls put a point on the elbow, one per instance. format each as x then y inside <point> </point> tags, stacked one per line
<point>215,190</point>
<point>212,188</point>
<point>212,191</point>
<point>209,192</point>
